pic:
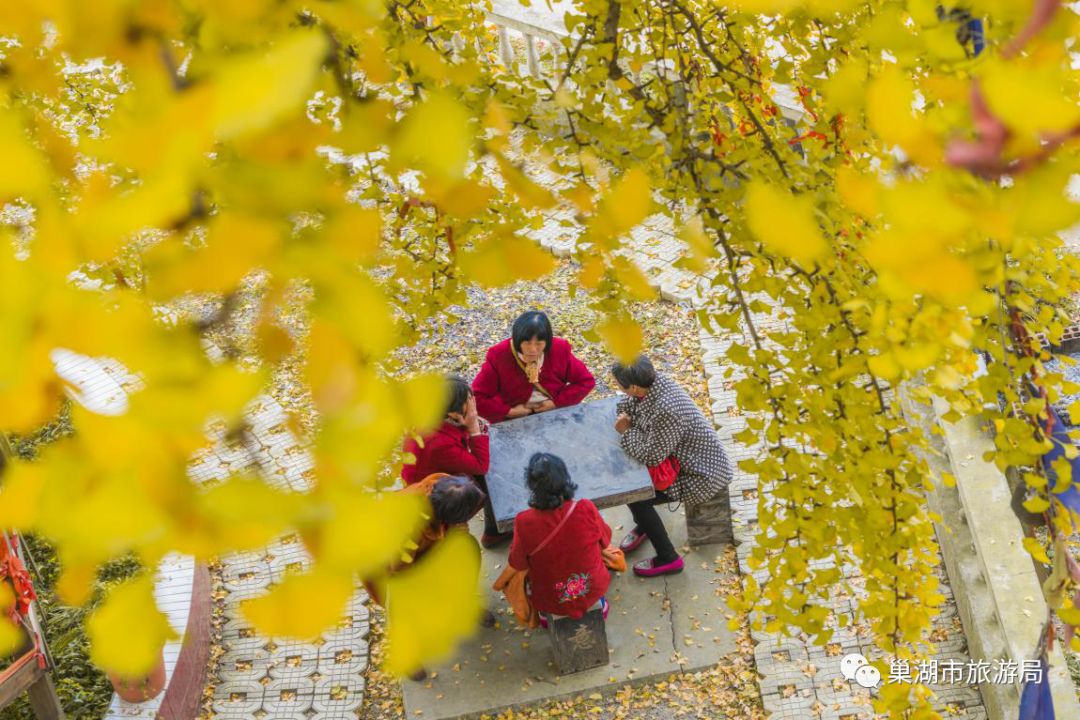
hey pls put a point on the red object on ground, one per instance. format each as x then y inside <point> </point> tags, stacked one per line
<point>141,689</point>
<point>567,576</point>
<point>450,450</point>
<point>501,383</point>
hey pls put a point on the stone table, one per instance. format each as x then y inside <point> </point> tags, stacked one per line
<point>584,437</point>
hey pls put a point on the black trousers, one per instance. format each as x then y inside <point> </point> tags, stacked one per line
<point>490,527</point>
<point>648,521</point>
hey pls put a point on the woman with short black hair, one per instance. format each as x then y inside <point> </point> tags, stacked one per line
<point>531,372</point>
<point>548,481</point>
<point>459,446</point>
<point>662,428</point>
<point>560,542</point>
<point>455,500</point>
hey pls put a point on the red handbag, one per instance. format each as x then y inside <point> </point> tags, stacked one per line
<point>664,474</point>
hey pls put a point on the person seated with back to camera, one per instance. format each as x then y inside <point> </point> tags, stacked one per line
<point>561,542</point>
<point>452,501</point>
<point>662,428</point>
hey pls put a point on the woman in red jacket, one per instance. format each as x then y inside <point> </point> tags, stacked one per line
<point>560,542</point>
<point>458,447</point>
<point>532,372</point>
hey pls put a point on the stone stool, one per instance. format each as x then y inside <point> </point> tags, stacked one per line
<point>578,644</point>
<point>709,523</point>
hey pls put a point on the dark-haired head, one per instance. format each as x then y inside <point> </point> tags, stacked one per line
<point>548,481</point>
<point>639,373</point>
<point>455,499</point>
<point>531,326</point>
<point>458,393</point>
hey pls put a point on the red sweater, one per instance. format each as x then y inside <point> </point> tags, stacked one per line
<point>502,383</point>
<point>450,450</point>
<point>568,575</point>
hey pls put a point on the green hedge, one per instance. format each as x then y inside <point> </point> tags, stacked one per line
<point>84,690</point>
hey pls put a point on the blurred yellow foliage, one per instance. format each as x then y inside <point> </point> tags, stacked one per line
<point>361,163</point>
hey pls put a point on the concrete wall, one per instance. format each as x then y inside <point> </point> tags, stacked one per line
<point>998,594</point>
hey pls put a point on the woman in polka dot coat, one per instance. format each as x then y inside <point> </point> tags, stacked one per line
<point>656,422</point>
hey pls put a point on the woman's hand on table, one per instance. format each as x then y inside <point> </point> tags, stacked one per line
<point>519,411</point>
<point>543,407</point>
<point>622,423</point>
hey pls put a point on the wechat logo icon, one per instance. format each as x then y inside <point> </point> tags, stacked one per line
<point>856,667</point>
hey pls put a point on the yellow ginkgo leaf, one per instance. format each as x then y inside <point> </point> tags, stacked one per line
<point>505,258</point>
<point>915,357</point>
<point>627,203</point>
<point>622,336</point>
<point>364,127</point>
<point>1039,201</point>
<point>235,245</point>
<point>354,233</point>
<point>859,192</point>
<point>465,199</point>
<point>884,366</point>
<point>845,89</point>
<point>948,278</point>
<point>76,581</point>
<point>368,530</point>
<point>330,370</point>
<point>114,643</point>
<point>340,290</point>
<point>240,514</point>
<point>784,223</point>
<point>1029,99</point>
<point>251,93</point>
<point>109,216</point>
<point>1032,545</point>
<point>26,171</point>
<point>353,17</point>
<point>424,58</point>
<point>420,631</point>
<point>701,248</point>
<point>20,495</point>
<point>221,391</point>
<point>415,405</point>
<point>531,194</point>
<point>890,111</point>
<point>632,279</point>
<point>435,135</point>
<point>11,636</point>
<point>30,396</point>
<point>302,606</point>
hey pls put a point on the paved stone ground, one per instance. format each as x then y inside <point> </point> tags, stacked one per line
<point>259,677</point>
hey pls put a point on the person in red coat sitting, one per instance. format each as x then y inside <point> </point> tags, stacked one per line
<point>560,542</point>
<point>532,372</point>
<point>458,447</point>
